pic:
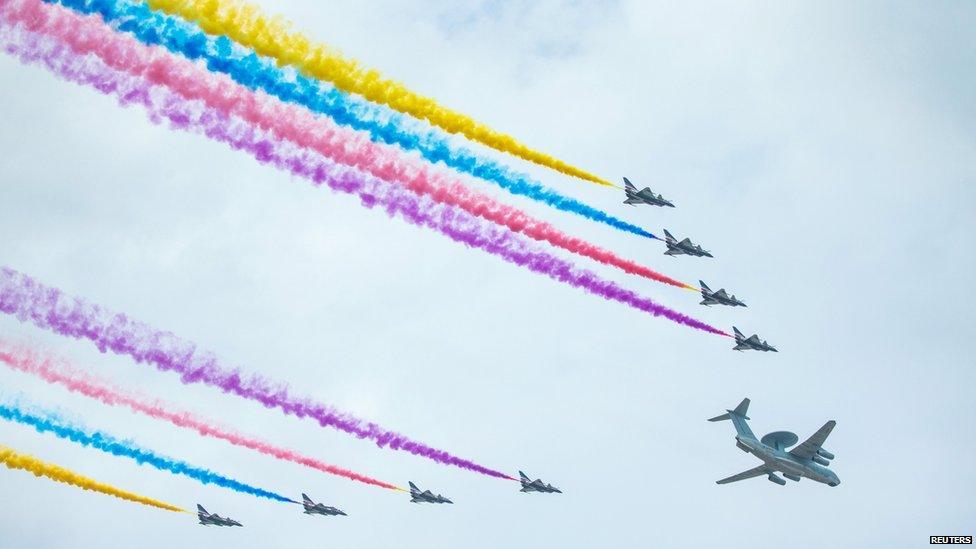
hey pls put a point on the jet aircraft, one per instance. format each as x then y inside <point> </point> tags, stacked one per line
<point>207,519</point>
<point>536,485</point>
<point>312,508</point>
<point>416,496</point>
<point>809,459</point>
<point>685,247</point>
<point>718,298</point>
<point>742,343</point>
<point>643,196</point>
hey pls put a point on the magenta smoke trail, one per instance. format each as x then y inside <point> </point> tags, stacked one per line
<point>49,308</point>
<point>53,369</point>
<point>192,116</point>
<point>90,35</point>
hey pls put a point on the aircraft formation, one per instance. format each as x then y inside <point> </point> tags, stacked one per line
<point>685,246</point>
<point>807,460</point>
<point>167,40</point>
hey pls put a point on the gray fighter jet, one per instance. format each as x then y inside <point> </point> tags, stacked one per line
<point>718,298</point>
<point>536,485</point>
<point>312,508</point>
<point>416,496</point>
<point>685,247</point>
<point>207,519</point>
<point>742,343</point>
<point>643,196</point>
<point>808,460</point>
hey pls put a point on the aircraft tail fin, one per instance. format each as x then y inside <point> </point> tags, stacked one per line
<point>738,417</point>
<point>200,509</point>
<point>701,283</point>
<point>741,410</point>
<point>629,185</point>
<point>669,235</point>
<point>413,487</point>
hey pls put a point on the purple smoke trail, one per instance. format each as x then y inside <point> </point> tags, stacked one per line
<point>193,116</point>
<point>49,308</point>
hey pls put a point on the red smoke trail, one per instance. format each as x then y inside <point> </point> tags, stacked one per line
<point>55,370</point>
<point>88,34</point>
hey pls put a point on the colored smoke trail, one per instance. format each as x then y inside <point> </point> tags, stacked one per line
<point>383,124</point>
<point>55,370</point>
<point>451,222</point>
<point>48,308</point>
<point>44,421</point>
<point>86,34</point>
<point>274,38</point>
<point>15,460</point>
<point>454,223</point>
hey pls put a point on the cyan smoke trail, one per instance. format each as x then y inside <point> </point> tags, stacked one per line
<point>49,308</point>
<point>87,34</point>
<point>383,124</point>
<point>56,370</point>
<point>44,421</point>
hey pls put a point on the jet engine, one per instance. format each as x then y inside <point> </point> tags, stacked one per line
<point>794,478</point>
<point>817,459</point>
<point>825,454</point>
<point>773,478</point>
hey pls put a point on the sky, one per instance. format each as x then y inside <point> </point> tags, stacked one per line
<point>824,152</point>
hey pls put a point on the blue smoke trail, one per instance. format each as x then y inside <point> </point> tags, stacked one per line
<point>221,54</point>
<point>49,422</point>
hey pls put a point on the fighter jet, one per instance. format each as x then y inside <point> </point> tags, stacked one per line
<point>718,298</point>
<point>312,508</point>
<point>643,196</point>
<point>416,496</point>
<point>207,519</point>
<point>751,343</point>
<point>808,460</point>
<point>685,247</point>
<point>536,485</point>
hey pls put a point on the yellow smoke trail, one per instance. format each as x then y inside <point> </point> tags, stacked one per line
<point>274,37</point>
<point>15,460</point>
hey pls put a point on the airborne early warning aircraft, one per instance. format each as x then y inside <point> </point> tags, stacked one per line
<point>743,343</point>
<point>685,247</point>
<point>718,298</point>
<point>536,485</point>
<point>643,196</point>
<point>808,460</point>
<point>312,508</point>
<point>207,519</point>
<point>416,496</point>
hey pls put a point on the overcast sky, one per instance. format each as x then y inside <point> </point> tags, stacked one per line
<point>824,152</point>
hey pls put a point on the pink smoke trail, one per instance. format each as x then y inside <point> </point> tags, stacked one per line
<point>48,308</point>
<point>88,34</point>
<point>56,370</point>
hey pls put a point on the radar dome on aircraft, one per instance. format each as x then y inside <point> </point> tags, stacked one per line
<point>780,439</point>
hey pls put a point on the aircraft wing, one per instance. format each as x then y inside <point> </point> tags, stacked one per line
<point>685,241</point>
<point>755,472</point>
<point>633,201</point>
<point>809,447</point>
<point>721,293</point>
<point>754,340</point>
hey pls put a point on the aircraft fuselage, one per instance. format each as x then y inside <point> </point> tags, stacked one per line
<point>785,462</point>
